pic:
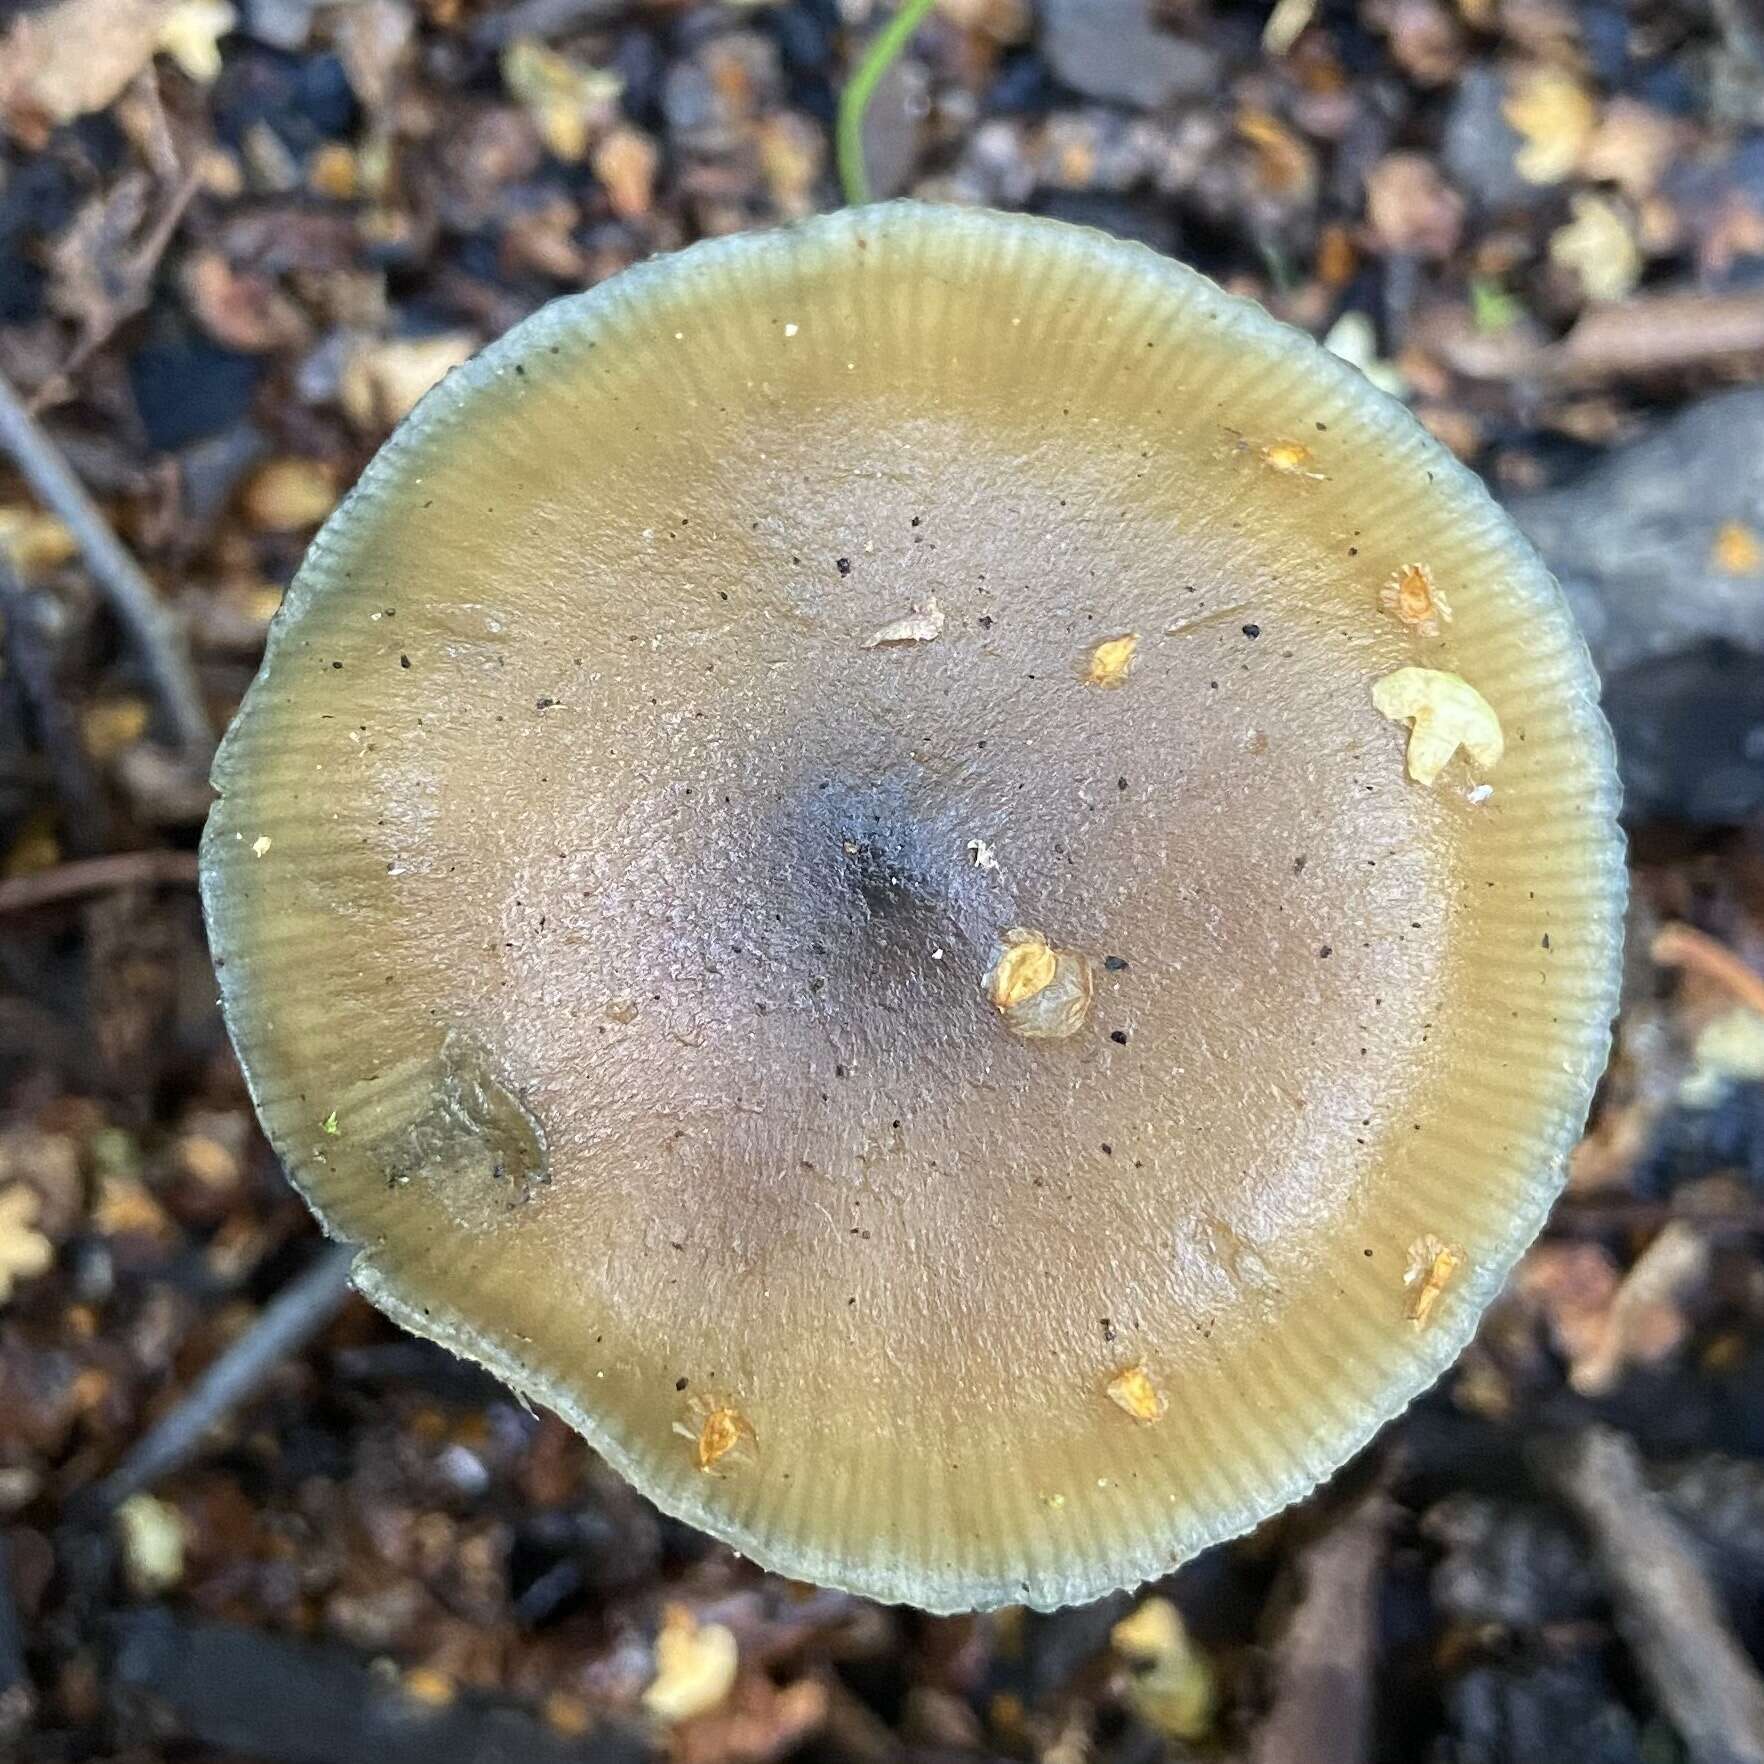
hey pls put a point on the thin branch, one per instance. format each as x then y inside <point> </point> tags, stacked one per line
<point>291,1319</point>
<point>854,101</point>
<point>1324,1665</point>
<point>1683,946</point>
<point>123,869</point>
<point>1668,1612</point>
<point>124,584</point>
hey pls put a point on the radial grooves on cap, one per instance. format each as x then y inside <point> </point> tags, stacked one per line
<point>1091,1498</point>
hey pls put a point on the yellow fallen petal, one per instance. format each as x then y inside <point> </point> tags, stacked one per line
<point>1736,551</point>
<point>1415,598</point>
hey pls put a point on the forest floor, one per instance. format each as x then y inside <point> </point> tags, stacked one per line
<point>236,244</point>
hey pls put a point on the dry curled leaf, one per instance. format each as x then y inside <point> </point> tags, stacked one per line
<point>239,308</point>
<point>96,268</point>
<point>695,1666</point>
<point>1282,162</point>
<point>568,102</point>
<point>1598,248</point>
<point>70,59</point>
<point>1572,1285</point>
<point>1555,115</point>
<point>1174,1689</point>
<point>922,625</point>
<point>24,1251</point>
<point>626,163</point>
<point>1411,208</point>
<point>1415,598</point>
<point>1111,660</point>
<point>288,495</point>
<point>1445,712</point>
<point>1133,1392</point>
<point>374,37</point>
<point>1432,1267</point>
<point>1286,24</point>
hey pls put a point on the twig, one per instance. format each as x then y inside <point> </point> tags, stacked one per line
<point>17,1699</point>
<point>239,1690</point>
<point>854,101</point>
<point>30,653</point>
<point>132,597</point>
<point>1646,334</point>
<point>123,869</point>
<point>1699,1674</point>
<point>1322,1711</point>
<point>1683,946</point>
<point>291,1319</point>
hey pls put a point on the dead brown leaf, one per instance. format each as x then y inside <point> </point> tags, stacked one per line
<point>625,162</point>
<point>1411,208</point>
<point>1631,147</point>
<point>383,381</point>
<point>1646,1319</point>
<point>73,58</point>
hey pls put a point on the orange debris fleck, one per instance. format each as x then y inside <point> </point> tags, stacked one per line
<point>1415,598</point>
<point>1291,457</point>
<point>1736,551</point>
<point>1134,1392</point>
<point>1433,1265</point>
<point>722,1430</point>
<point>1111,660</point>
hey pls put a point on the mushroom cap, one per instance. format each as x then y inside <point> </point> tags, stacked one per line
<point>684,756</point>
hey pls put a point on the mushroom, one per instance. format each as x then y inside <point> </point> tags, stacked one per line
<point>814,876</point>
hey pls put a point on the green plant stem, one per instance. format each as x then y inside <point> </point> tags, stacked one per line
<point>854,101</point>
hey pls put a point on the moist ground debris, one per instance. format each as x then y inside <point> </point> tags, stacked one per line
<point>237,244</point>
